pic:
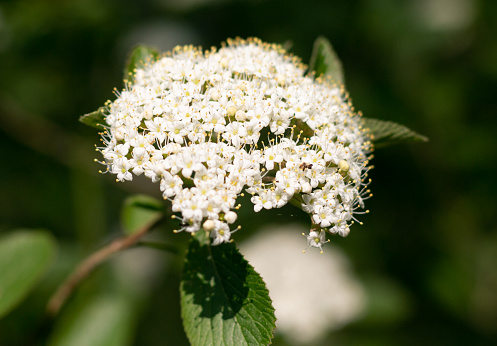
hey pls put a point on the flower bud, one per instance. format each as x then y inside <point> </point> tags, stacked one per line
<point>223,62</point>
<point>306,187</point>
<point>215,95</point>
<point>209,225</point>
<point>344,166</point>
<point>231,111</point>
<point>240,115</point>
<point>230,217</point>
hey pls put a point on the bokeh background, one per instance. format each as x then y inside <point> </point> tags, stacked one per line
<point>426,256</point>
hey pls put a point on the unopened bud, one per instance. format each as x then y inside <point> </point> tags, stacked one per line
<point>231,111</point>
<point>215,95</point>
<point>230,217</point>
<point>344,166</point>
<point>306,187</point>
<point>240,115</point>
<point>119,135</point>
<point>209,225</point>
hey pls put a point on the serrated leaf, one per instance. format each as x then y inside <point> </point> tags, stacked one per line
<point>95,119</point>
<point>325,62</point>
<point>224,301</point>
<point>140,211</point>
<point>385,133</point>
<point>24,257</point>
<point>139,56</point>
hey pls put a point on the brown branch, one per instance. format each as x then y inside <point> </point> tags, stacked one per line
<point>86,267</point>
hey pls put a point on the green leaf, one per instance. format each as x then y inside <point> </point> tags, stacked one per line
<point>107,318</point>
<point>386,133</point>
<point>139,57</point>
<point>324,61</point>
<point>95,119</point>
<point>224,300</point>
<point>24,257</point>
<point>104,320</point>
<point>140,211</point>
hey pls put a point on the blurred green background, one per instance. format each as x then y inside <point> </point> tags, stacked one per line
<point>427,253</point>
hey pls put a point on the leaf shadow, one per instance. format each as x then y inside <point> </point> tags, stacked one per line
<point>216,279</point>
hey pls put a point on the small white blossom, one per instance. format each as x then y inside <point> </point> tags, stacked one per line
<point>317,239</point>
<point>271,156</point>
<point>121,167</point>
<point>170,184</point>
<point>221,233</point>
<point>264,200</point>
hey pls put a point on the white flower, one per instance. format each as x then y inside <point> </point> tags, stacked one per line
<point>154,168</point>
<point>317,239</point>
<point>287,181</point>
<point>140,158</point>
<point>323,216</point>
<point>262,201</point>
<point>157,129</point>
<point>121,167</point>
<point>253,129</point>
<point>170,184</point>
<point>235,133</point>
<point>246,116</point>
<point>271,156</point>
<point>193,209</point>
<point>176,131</point>
<point>221,233</point>
<point>280,122</point>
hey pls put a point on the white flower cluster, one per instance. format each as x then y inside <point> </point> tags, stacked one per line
<point>208,125</point>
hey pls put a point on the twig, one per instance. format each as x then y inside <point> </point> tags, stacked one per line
<point>85,268</point>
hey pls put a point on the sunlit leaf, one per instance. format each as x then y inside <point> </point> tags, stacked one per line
<point>140,211</point>
<point>24,256</point>
<point>95,119</point>
<point>224,300</point>
<point>385,133</point>
<point>138,57</point>
<point>324,60</point>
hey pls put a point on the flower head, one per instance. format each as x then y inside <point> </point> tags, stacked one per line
<point>208,125</point>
